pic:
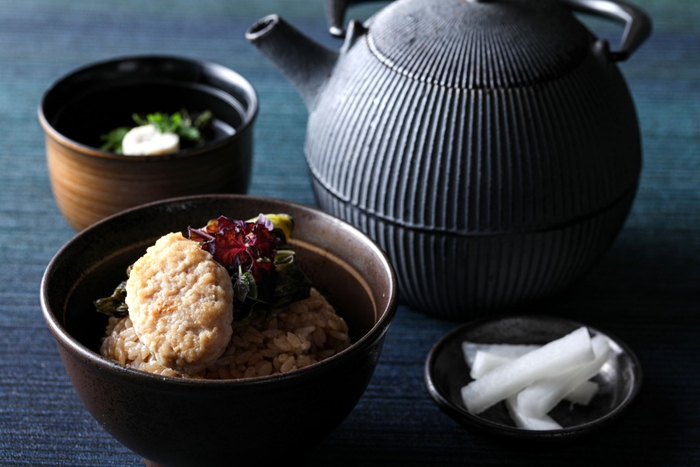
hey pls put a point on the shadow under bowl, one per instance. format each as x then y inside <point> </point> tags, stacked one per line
<point>173,421</point>
<point>90,184</point>
<point>446,372</point>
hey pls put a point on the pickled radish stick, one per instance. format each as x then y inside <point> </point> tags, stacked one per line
<point>528,422</point>
<point>583,393</point>
<point>512,351</point>
<point>486,361</point>
<point>509,379</point>
<point>542,396</point>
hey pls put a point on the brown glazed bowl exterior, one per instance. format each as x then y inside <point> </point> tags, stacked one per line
<point>171,421</point>
<point>90,184</point>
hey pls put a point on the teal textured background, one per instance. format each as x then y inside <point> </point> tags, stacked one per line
<point>646,290</point>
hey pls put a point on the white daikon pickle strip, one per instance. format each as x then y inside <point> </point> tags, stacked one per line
<point>583,393</point>
<point>511,378</point>
<point>527,422</point>
<point>485,362</point>
<point>544,395</point>
<point>469,349</point>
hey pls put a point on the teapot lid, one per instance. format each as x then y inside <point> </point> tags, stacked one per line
<point>473,44</point>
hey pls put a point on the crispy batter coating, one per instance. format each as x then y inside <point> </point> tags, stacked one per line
<point>181,304</point>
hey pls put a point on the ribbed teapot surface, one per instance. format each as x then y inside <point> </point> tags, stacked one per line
<point>474,160</point>
<point>490,147</point>
<point>478,44</point>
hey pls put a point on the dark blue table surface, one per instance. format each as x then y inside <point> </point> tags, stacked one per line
<point>646,290</point>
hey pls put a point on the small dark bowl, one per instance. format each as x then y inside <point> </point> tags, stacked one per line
<point>172,421</point>
<point>446,373</point>
<point>90,184</point>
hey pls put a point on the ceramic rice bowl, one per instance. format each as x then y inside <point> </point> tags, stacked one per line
<point>173,421</point>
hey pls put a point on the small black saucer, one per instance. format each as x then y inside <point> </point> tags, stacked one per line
<point>446,373</point>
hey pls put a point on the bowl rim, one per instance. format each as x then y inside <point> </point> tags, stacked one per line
<point>248,118</point>
<point>64,339</point>
<point>469,420</point>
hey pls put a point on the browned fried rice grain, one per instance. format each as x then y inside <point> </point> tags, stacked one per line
<point>265,343</point>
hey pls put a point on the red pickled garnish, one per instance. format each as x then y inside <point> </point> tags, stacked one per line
<point>260,239</point>
<point>260,268</point>
<point>233,243</point>
<point>223,223</point>
<point>199,235</point>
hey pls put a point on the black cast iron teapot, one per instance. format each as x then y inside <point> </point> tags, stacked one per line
<point>491,148</point>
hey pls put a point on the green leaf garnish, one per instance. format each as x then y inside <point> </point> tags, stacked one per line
<point>175,123</point>
<point>113,139</point>
<point>292,285</point>
<point>115,304</point>
<point>180,123</point>
<point>244,286</point>
<point>203,120</point>
<point>189,132</point>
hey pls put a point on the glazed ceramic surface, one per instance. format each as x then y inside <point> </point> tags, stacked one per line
<point>90,184</point>
<point>177,422</point>
<point>490,147</point>
<point>446,373</point>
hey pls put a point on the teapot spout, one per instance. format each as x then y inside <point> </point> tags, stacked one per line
<point>306,63</point>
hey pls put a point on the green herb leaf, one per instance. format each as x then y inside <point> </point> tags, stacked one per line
<point>203,120</point>
<point>173,123</point>
<point>292,284</point>
<point>244,286</point>
<point>113,139</point>
<point>245,291</point>
<point>180,123</point>
<point>114,305</point>
<point>189,132</point>
<point>139,120</point>
<point>284,257</point>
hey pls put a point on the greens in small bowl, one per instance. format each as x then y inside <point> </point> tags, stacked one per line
<point>160,133</point>
<point>134,130</point>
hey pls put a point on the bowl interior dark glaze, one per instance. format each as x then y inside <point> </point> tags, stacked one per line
<point>446,372</point>
<point>161,418</point>
<point>99,98</point>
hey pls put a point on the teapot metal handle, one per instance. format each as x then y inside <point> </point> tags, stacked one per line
<point>637,22</point>
<point>335,12</point>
